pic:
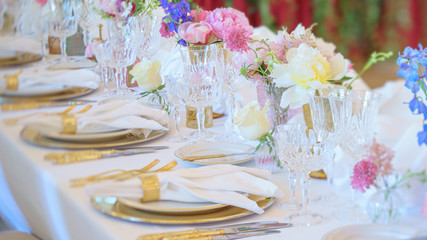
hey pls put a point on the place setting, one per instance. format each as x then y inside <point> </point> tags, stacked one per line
<point>103,126</point>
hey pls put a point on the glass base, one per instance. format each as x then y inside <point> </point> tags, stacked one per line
<point>229,137</point>
<point>331,200</point>
<point>205,135</point>
<point>353,214</point>
<point>291,206</point>
<point>304,219</point>
<point>177,139</point>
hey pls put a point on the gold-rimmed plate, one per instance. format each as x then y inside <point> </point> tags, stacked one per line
<point>113,207</point>
<point>214,148</point>
<point>33,136</point>
<point>172,207</point>
<point>20,58</point>
<point>71,92</point>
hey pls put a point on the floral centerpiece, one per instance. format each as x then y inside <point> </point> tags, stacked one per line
<point>413,65</point>
<point>376,170</point>
<point>202,27</point>
<point>122,9</point>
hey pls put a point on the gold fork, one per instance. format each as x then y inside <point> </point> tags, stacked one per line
<point>120,176</point>
<point>14,121</point>
<point>165,168</point>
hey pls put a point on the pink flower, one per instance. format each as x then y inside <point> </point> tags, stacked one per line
<point>364,174</point>
<point>382,157</point>
<point>89,52</point>
<point>164,31</point>
<point>196,33</point>
<point>41,2</point>
<point>423,210</point>
<point>201,15</point>
<point>231,26</point>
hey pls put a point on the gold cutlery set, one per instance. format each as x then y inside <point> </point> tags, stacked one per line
<point>235,231</point>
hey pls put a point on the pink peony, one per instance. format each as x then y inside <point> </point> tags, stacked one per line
<point>364,174</point>
<point>231,26</point>
<point>164,31</point>
<point>423,210</point>
<point>196,33</point>
<point>41,2</point>
<point>201,15</point>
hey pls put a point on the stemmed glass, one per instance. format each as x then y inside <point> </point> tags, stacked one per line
<point>322,121</point>
<point>302,151</point>
<point>63,23</point>
<point>41,27</point>
<point>231,82</point>
<point>354,113</point>
<point>103,53</point>
<point>148,37</point>
<point>122,40</point>
<point>171,83</point>
<point>199,87</point>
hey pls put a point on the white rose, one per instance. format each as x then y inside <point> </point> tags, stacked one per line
<point>252,122</point>
<point>147,74</point>
<point>339,66</point>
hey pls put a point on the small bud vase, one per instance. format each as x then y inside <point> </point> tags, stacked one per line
<point>385,206</point>
<point>267,158</point>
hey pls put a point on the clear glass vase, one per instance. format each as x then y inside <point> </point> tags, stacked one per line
<point>267,90</point>
<point>266,157</point>
<point>385,206</point>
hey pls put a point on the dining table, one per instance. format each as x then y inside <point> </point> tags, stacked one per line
<point>36,196</point>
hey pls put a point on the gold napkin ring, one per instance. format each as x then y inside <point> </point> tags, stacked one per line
<point>12,81</point>
<point>150,188</point>
<point>69,123</point>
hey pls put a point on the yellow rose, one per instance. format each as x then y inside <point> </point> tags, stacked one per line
<point>147,74</point>
<point>252,122</point>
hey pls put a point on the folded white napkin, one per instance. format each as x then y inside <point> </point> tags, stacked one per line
<point>109,117</point>
<point>222,184</point>
<point>32,79</point>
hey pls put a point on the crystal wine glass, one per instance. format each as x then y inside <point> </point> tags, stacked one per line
<point>203,88</point>
<point>231,82</point>
<point>122,40</point>
<point>302,151</point>
<point>103,53</point>
<point>148,37</point>
<point>354,113</point>
<point>171,83</point>
<point>199,88</point>
<point>63,23</point>
<point>322,121</point>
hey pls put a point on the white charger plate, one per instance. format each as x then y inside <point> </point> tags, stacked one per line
<point>371,232</point>
<point>213,148</point>
<point>172,207</point>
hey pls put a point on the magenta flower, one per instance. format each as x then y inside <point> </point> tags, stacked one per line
<point>199,15</point>
<point>164,31</point>
<point>423,210</point>
<point>364,174</point>
<point>41,2</point>
<point>231,26</point>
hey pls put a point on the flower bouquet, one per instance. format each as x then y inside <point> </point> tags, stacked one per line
<point>376,170</point>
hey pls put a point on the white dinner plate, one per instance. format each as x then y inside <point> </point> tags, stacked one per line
<point>371,232</point>
<point>7,54</point>
<point>172,207</point>
<point>213,148</point>
<point>52,133</point>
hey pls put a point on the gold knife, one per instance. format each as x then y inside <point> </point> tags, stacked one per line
<point>194,158</point>
<point>92,154</point>
<point>17,106</point>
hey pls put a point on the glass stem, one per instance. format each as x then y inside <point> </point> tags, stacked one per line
<point>63,45</point>
<point>232,100</point>
<point>123,79</point>
<point>117,74</point>
<point>305,194</point>
<point>292,184</point>
<point>104,77</point>
<point>176,119</point>
<point>201,121</point>
<point>43,49</point>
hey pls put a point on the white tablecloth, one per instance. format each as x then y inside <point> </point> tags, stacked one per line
<point>36,196</point>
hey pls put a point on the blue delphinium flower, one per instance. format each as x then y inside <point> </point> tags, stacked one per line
<point>177,13</point>
<point>412,62</point>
